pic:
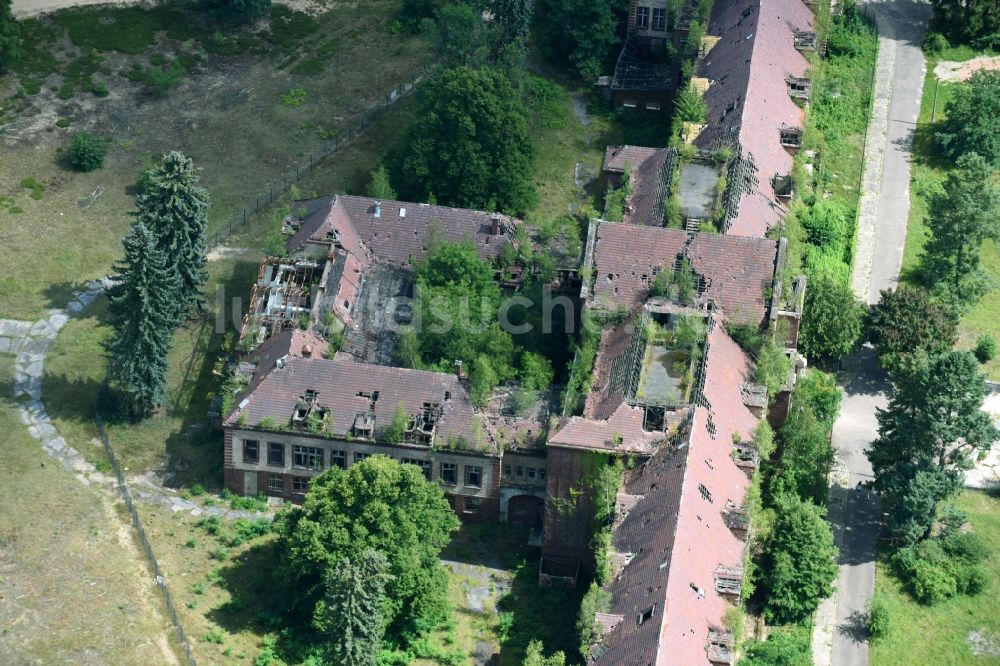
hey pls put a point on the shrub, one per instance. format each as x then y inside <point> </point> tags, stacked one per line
<point>879,620</point>
<point>935,42</point>
<point>87,151</point>
<point>239,10</point>
<point>294,97</point>
<point>932,582</point>
<point>986,348</point>
<point>219,553</point>
<point>215,636</point>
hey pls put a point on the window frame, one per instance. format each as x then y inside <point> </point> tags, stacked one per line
<point>471,505</point>
<point>256,451</point>
<point>659,19</point>
<point>338,458</point>
<point>475,470</point>
<point>271,450</point>
<point>312,457</point>
<point>280,479</point>
<point>642,15</point>
<point>451,467</point>
<point>300,481</point>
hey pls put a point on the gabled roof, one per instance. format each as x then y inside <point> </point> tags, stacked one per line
<point>738,271</point>
<point>676,532</point>
<point>616,157</point>
<point>747,98</point>
<point>401,231</point>
<point>347,389</point>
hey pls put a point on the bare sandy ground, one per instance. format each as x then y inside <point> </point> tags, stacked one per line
<point>22,8</point>
<point>949,70</point>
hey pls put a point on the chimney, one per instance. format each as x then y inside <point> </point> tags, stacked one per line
<point>458,368</point>
<point>307,351</point>
<point>494,224</point>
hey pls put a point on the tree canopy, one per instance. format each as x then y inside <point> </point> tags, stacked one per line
<point>351,615</point>
<point>801,567</point>
<point>806,455</point>
<point>175,208</point>
<point>906,321</point>
<point>376,504</point>
<point>932,422</point>
<point>141,314</point>
<point>10,37</point>
<point>582,32</point>
<point>470,146</point>
<point>832,319</point>
<point>962,216</point>
<point>974,22</point>
<point>972,123</point>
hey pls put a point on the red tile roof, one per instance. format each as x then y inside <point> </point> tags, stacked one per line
<point>616,157</point>
<point>748,96</point>
<point>600,435</point>
<point>402,230</point>
<point>738,271</point>
<point>677,532</point>
<point>339,384</point>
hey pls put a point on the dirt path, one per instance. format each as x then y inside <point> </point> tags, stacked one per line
<point>950,70</point>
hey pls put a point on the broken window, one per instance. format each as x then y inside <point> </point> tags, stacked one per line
<point>645,616</point>
<point>471,505</point>
<point>506,471</point>
<point>338,459</point>
<point>251,451</point>
<point>424,465</point>
<point>791,136</point>
<point>307,457</point>
<point>474,476</point>
<point>275,454</point>
<point>359,456</point>
<point>300,484</point>
<point>276,482</point>
<point>449,473</point>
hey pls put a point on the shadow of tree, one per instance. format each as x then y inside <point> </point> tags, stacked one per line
<point>855,628</point>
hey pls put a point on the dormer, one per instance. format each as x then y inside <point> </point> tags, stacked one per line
<point>782,186</point>
<point>791,137</point>
<point>719,647</point>
<point>728,581</point>
<point>798,87</point>
<point>364,425</point>
<point>737,519</point>
<point>805,40</point>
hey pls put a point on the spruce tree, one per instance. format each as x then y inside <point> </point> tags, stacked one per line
<point>174,208</point>
<point>142,314</point>
<point>10,37</point>
<point>355,594</point>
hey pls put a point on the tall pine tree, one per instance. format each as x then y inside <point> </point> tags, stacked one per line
<point>933,422</point>
<point>174,208</point>
<point>142,315</point>
<point>355,594</point>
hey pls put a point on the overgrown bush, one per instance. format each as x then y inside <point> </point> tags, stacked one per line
<point>239,10</point>
<point>986,348</point>
<point>879,620</point>
<point>941,567</point>
<point>594,601</point>
<point>87,151</point>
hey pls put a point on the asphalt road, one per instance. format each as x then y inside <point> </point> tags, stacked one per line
<point>903,22</point>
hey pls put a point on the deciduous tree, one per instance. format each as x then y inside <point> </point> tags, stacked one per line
<point>377,504</point>
<point>175,209</point>
<point>513,19</point>
<point>141,313</point>
<point>962,216</point>
<point>470,146</point>
<point>973,118</point>
<point>380,186</point>
<point>906,321</point>
<point>832,319</point>
<point>582,31</point>
<point>800,567</point>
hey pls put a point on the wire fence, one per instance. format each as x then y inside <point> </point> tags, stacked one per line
<point>161,582</point>
<point>266,197</point>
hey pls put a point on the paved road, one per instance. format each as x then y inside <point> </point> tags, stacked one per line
<point>841,636</point>
<point>885,201</point>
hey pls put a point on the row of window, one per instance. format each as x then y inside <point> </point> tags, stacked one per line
<point>311,457</point>
<point>659,18</point>
<point>521,472</point>
<point>300,484</point>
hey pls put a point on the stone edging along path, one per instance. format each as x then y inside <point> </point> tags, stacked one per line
<point>30,342</point>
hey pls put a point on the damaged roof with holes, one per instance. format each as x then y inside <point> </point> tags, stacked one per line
<point>615,356</point>
<point>738,272</point>
<point>401,231</point>
<point>748,98</point>
<point>621,432</point>
<point>674,538</point>
<point>348,389</point>
<point>616,157</point>
<point>650,185</point>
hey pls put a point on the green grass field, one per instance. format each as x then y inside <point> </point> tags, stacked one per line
<point>74,584</point>
<point>939,634</point>
<point>928,173</point>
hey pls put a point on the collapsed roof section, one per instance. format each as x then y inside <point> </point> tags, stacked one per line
<point>757,76</point>
<point>677,552</point>
<point>734,275</point>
